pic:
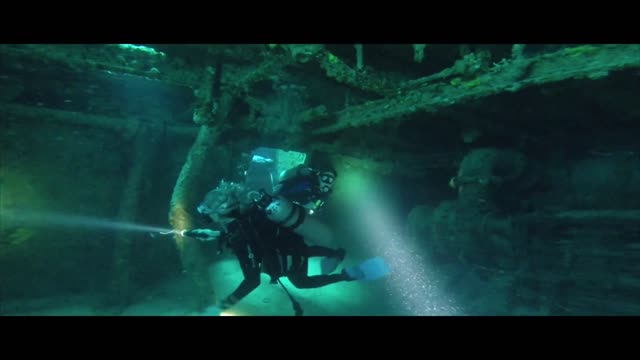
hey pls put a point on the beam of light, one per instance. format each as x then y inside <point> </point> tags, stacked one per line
<point>53,219</point>
<point>413,281</point>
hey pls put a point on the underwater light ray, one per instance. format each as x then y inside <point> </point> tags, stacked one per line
<point>413,282</point>
<point>49,219</point>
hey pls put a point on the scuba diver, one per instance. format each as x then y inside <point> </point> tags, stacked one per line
<point>267,234</point>
<point>306,186</point>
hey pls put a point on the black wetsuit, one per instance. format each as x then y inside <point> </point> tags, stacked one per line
<point>262,246</point>
<point>301,189</point>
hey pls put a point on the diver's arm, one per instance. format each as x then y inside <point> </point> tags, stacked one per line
<point>202,234</point>
<point>203,229</point>
<point>289,173</point>
<point>284,177</point>
<point>251,271</point>
<point>300,170</point>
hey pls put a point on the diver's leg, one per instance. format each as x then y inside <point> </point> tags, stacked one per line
<point>313,251</point>
<point>331,258</point>
<point>301,280</point>
<point>316,281</point>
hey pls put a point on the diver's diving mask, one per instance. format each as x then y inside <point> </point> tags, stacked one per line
<point>326,180</point>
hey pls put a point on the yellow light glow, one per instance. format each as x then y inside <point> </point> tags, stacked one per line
<point>179,220</point>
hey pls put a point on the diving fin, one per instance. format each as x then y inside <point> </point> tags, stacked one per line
<point>370,269</point>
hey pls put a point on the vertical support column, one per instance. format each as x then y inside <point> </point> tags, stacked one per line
<point>212,107</point>
<point>183,204</point>
<point>145,149</point>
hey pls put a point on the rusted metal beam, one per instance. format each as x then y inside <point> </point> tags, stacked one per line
<point>120,59</point>
<point>591,62</point>
<point>41,114</point>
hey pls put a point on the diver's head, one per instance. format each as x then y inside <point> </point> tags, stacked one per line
<point>324,170</point>
<point>226,200</point>
<point>326,180</point>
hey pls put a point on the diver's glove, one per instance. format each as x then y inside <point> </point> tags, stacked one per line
<point>263,200</point>
<point>202,234</point>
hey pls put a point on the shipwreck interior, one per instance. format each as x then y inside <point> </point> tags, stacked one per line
<point>513,169</point>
